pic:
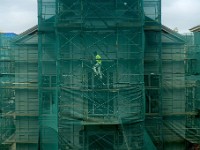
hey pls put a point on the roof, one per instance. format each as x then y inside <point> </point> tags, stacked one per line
<point>173,33</point>
<point>24,34</point>
<point>165,29</point>
<point>151,24</point>
<point>195,29</point>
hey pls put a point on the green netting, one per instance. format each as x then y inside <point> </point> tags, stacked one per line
<point>52,99</point>
<point>6,93</point>
<point>94,112</point>
<point>192,89</point>
<point>153,73</point>
<point>26,90</point>
<point>171,83</point>
<point>19,91</point>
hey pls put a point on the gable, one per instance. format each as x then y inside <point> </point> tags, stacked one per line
<point>168,38</point>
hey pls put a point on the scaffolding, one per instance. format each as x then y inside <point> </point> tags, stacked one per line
<point>19,81</point>
<point>6,93</point>
<point>94,112</point>
<point>173,99</point>
<point>26,90</point>
<point>192,89</point>
<point>178,108</point>
<point>153,71</point>
<point>99,74</point>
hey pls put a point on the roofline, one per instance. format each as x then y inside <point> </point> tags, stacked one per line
<point>172,32</point>
<point>30,30</point>
<point>22,35</point>
<point>196,28</point>
<point>34,29</point>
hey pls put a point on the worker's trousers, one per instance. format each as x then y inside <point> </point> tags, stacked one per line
<point>97,69</point>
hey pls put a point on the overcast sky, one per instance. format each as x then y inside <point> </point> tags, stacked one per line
<point>183,14</point>
<point>19,15</point>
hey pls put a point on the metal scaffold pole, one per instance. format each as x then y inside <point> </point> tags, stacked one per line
<point>91,96</point>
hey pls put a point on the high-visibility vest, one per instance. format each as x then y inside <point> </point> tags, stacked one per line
<point>98,59</point>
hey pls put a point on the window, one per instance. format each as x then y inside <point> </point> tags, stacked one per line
<point>45,81</point>
<point>146,80</point>
<point>49,81</point>
<point>53,81</point>
<point>152,101</point>
<point>48,99</point>
<point>152,80</point>
<point>191,66</point>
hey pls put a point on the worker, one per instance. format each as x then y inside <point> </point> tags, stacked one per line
<point>97,66</point>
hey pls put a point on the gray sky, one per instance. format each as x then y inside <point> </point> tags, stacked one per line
<point>19,15</point>
<point>183,14</point>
